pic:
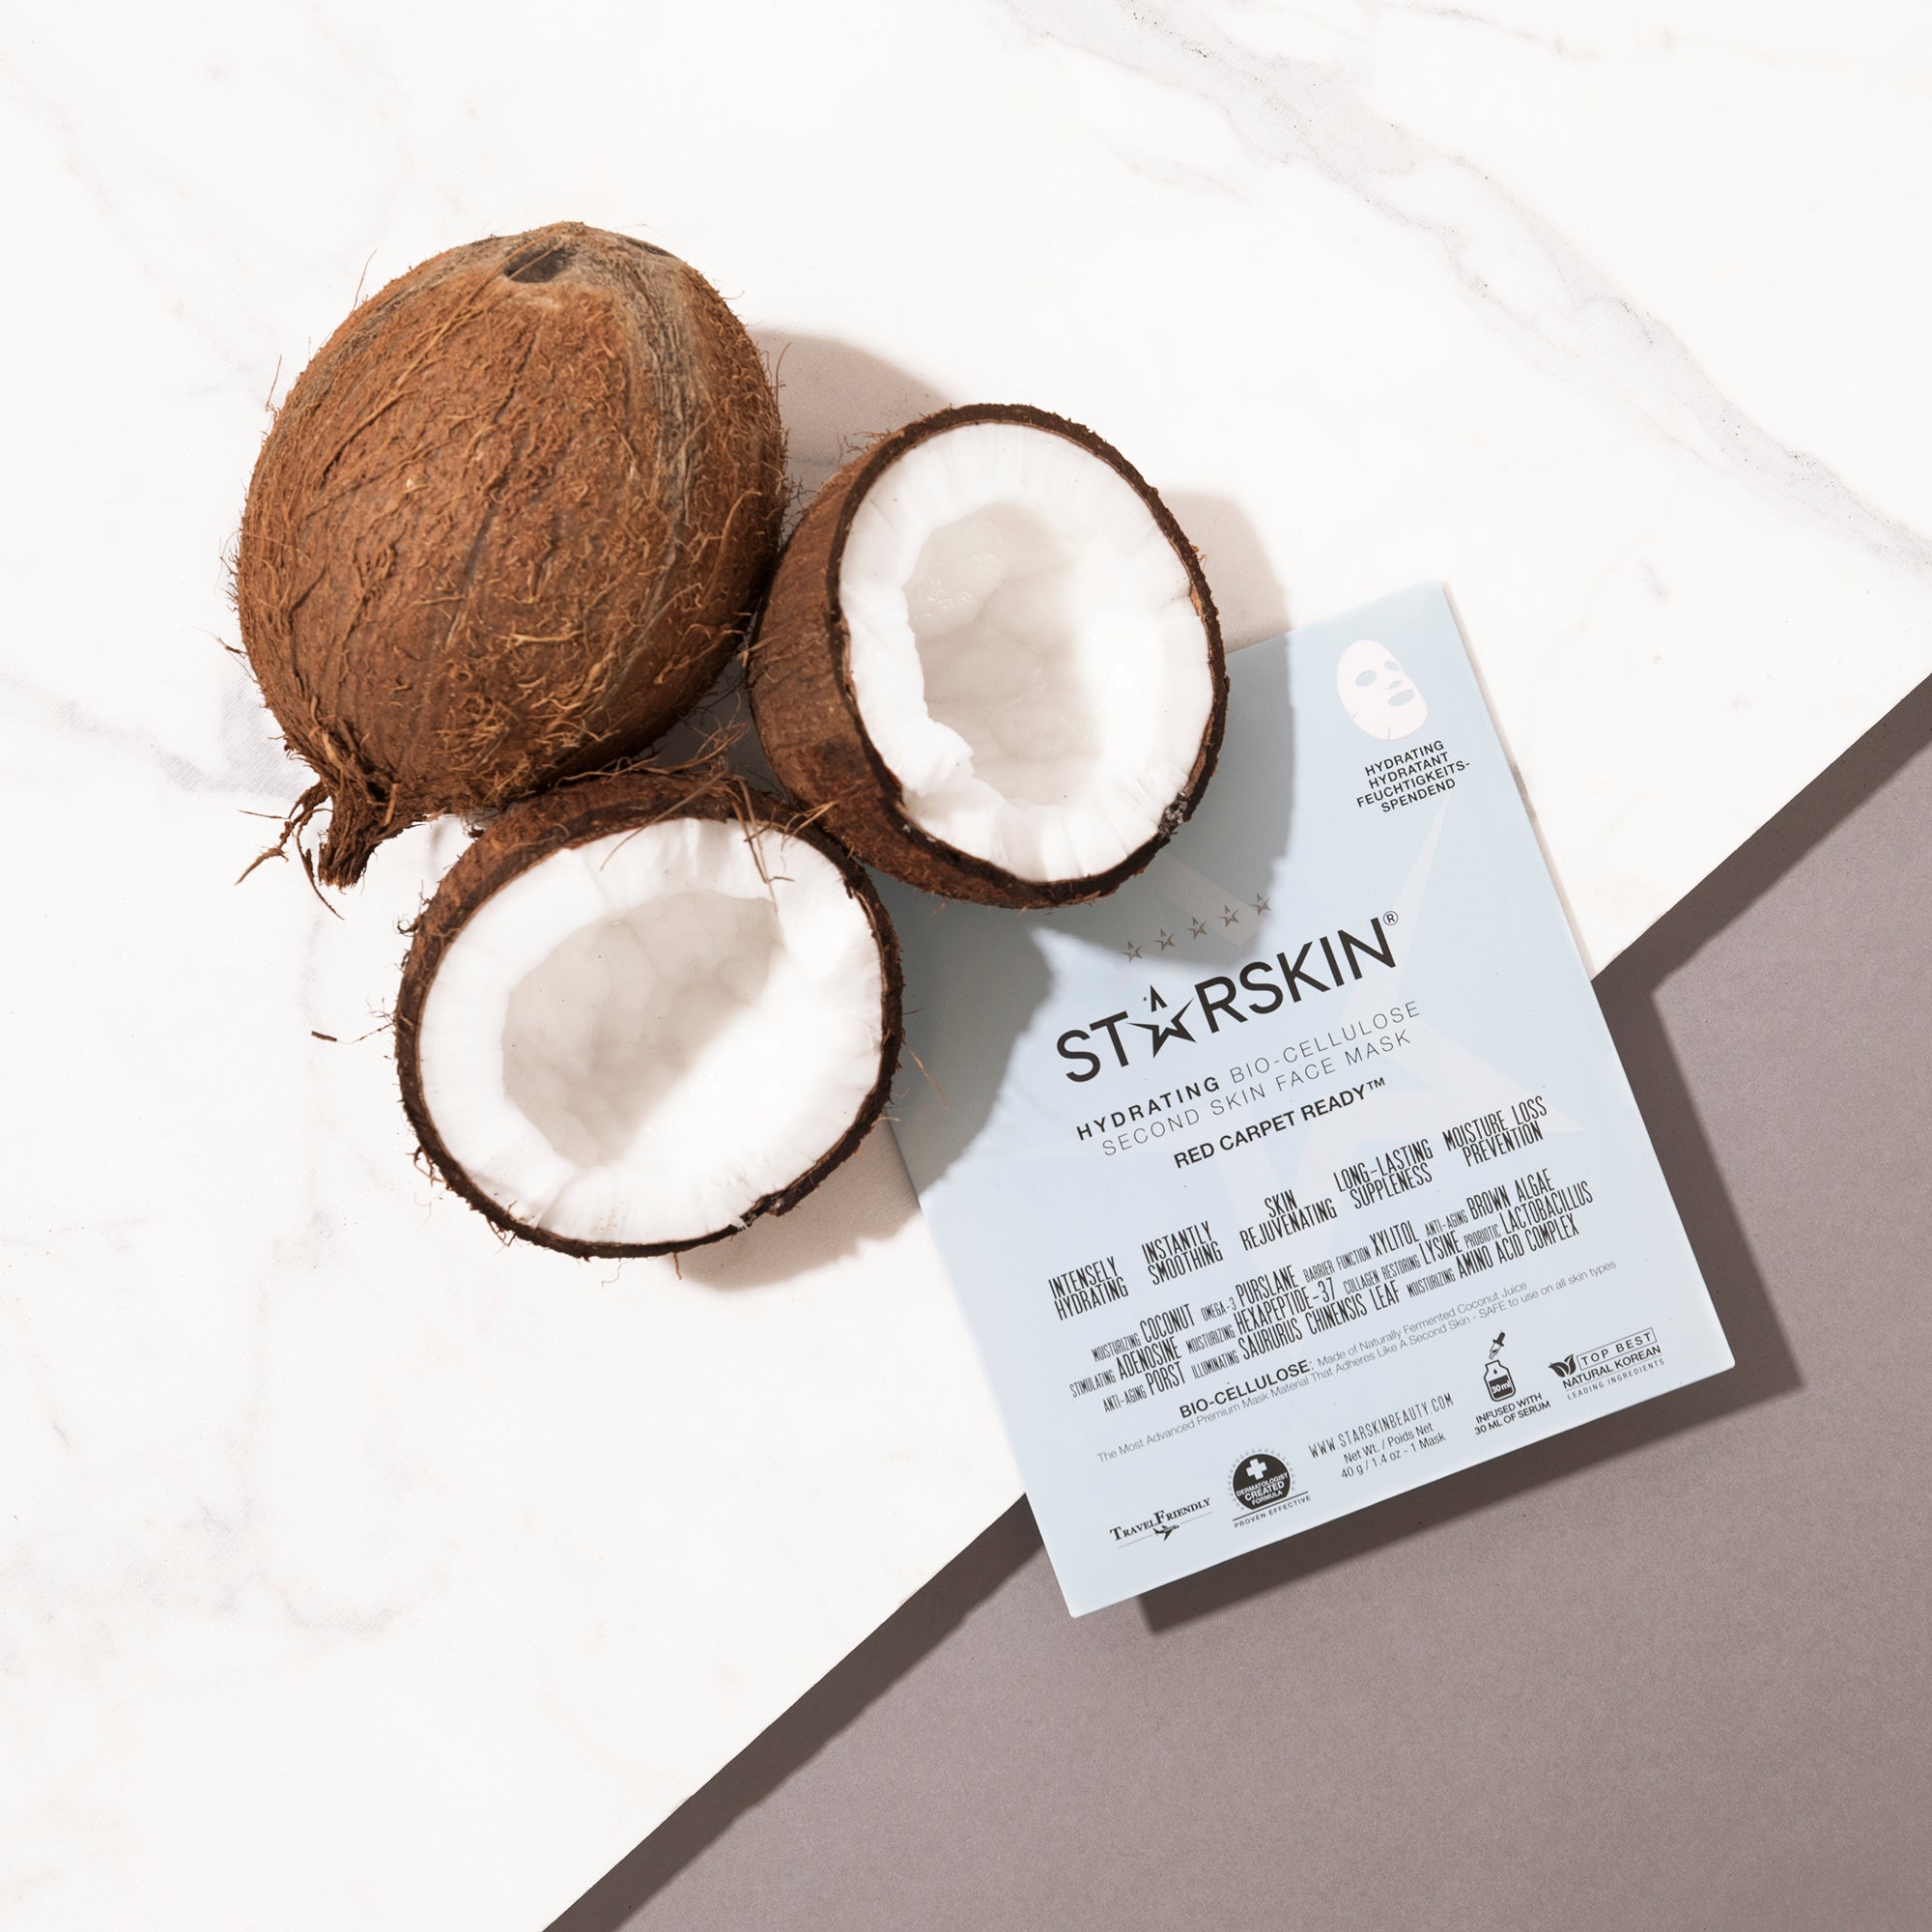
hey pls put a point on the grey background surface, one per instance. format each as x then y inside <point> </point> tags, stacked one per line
<point>1669,1670</point>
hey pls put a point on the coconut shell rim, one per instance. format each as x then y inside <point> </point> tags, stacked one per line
<point>1009,889</point>
<point>537,828</point>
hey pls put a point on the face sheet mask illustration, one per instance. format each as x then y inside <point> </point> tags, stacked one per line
<point>1376,692</point>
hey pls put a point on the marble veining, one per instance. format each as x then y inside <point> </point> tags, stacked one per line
<point>1520,268</point>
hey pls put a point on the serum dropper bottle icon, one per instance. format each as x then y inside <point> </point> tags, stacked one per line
<point>1497,1377</point>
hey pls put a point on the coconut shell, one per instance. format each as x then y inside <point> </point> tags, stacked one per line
<point>506,528</point>
<point>799,673</point>
<point>575,814</point>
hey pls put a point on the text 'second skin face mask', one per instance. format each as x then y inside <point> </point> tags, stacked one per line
<point>1302,1170</point>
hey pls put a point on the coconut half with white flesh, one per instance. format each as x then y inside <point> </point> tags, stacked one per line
<point>990,659</point>
<point>639,1013</point>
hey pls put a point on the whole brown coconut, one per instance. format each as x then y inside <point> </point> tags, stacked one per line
<point>507,527</point>
<point>992,600</point>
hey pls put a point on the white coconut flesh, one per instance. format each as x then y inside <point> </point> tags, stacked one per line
<point>1026,656</point>
<point>641,1037</point>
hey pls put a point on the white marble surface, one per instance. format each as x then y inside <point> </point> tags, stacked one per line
<point>358,1571</point>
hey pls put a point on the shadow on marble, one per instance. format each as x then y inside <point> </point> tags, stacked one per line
<point>866,1200</point>
<point>836,399</point>
<point>1248,594</point>
<point>1765,1366</point>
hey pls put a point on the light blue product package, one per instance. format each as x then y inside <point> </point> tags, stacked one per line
<point>1301,1171</point>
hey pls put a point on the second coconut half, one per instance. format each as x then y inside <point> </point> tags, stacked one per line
<point>990,660</point>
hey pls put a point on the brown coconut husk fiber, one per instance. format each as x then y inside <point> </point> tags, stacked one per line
<point>507,527</point>
<point>575,814</point>
<point>809,723</point>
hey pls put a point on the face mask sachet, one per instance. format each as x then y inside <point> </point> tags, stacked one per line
<point>1301,1171</point>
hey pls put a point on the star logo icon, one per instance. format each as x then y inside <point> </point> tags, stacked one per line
<point>1166,940</point>
<point>1167,1029</point>
<point>1134,950</point>
<point>1260,902</point>
<point>1196,929</point>
<point>1230,917</point>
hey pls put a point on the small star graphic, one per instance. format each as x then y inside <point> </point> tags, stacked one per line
<point>1260,902</point>
<point>1230,917</point>
<point>1134,950</point>
<point>1166,940</point>
<point>1197,929</point>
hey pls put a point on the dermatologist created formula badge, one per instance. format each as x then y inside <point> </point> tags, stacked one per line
<point>1302,1170</point>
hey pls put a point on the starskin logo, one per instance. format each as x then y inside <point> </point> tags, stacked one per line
<point>1265,985</point>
